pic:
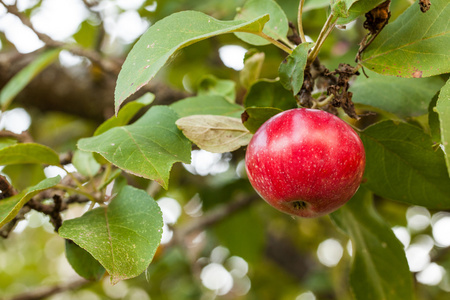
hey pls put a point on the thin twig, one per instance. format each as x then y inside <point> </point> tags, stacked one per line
<point>12,9</point>
<point>6,189</point>
<point>300,21</point>
<point>90,5</point>
<point>35,203</point>
<point>23,137</point>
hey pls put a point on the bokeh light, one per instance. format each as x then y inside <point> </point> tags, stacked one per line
<point>205,163</point>
<point>15,120</point>
<point>215,277</point>
<point>418,218</point>
<point>441,225</point>
<point>232,56</point>
<point>171,211</point>
<point>330,252</point>
<point>431,275</point>
<point>50,16</point>
<point>306,296</point>
<point>402,235</point>
<point>418,257</point>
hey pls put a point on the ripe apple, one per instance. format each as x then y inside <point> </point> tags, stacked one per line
<point>305,162</point>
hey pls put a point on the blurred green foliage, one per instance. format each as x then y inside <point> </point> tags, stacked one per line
<point>268,255</point>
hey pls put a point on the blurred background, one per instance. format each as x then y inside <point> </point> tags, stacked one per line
<point>255,252</point>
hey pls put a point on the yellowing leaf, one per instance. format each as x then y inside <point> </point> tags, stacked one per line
<point>215,133</point>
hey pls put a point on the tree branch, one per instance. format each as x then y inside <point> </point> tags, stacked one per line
<point>108,65</point>
<point>44,292</point>
<point>6,189</point>
<point>52,210</point>
<point>78,90</point>
<point>213,217</point>
<point>23,137</point>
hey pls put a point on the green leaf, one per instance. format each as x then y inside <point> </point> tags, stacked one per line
<point>112,176</point>
<point>147,148</point>
<point>122,236</point>
<point>213,133</point>
<point>119,183</point>
<point>207,105</point>
<point>125,114</point>
<point>210,85</point>
<point>87,34</point>
<point>24,175</point>
<point>404,97</point>
<point>85,163</point>
<point>164,38</point>
<point>340,8</point>
<point>253,62</point>
<point>293,67</point>
<point>357,8</point>
<point>315,4</point>
<point>83,263</point>
<point>6,141</point>
<point>414,45</point>
<point>256,116</point>
<point>24,76</point>
<point>11,206</point>
<point>269,93</point>
<point>28,153</point>
<point>433,120</point>
<point>251,240</point>
<point>443,109</point>
<point>276,28</point>
<point>402,165</point>
<point>379,268</point>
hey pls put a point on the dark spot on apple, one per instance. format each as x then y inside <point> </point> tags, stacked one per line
<point>299,205</point>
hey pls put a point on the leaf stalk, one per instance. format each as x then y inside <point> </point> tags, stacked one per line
<point>326,30</point>
<point>77,191</point>
<point>300,21</point>
<point>275,42</point>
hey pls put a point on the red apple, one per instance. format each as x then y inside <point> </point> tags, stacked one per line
<point>305,162</point>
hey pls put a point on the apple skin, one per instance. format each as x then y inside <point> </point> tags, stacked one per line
<point>305,162</point>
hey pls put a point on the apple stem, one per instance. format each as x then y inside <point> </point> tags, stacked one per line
<point>326,101</point>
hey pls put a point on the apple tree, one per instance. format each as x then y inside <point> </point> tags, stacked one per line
<point>136,159</point>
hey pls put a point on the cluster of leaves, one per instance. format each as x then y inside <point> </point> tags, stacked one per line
<point>408,158</point>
